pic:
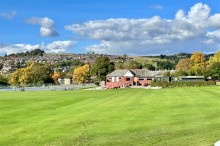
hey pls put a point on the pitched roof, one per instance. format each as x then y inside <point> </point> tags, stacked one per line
<point>138,73</point>
<point>118,73</point>
<point>142,72</point>
<point>135,72</point>
<point>160,73</point>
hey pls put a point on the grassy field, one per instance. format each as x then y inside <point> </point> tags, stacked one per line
<point>167,117</point>
<point>147,60</point>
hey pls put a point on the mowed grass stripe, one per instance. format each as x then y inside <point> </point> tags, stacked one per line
<point>180,116</point>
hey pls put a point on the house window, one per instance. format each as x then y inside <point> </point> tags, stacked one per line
<point>149,78</point>
<point>109,79</point>
<point>114,79</point>
<point>141,79</point>
<point>128,78</point>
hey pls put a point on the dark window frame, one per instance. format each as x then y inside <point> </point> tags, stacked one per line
<point>128,78</point>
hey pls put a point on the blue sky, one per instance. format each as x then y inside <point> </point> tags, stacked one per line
<point>134,27</point>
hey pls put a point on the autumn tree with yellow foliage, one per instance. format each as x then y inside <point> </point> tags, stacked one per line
<point>195,65</point>
<point>82,74</point>
<point>14,78</point>
<point>183,67</point>
<point>198,63</point>
<point>214,66</point>
<point>215,58</point>
<point>35,73</point>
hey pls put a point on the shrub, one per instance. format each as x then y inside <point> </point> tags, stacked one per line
<point>3,80</point>
<point>97,83</point>
<point>182,84</point>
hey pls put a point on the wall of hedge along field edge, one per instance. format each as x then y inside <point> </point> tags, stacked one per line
<point>182,84</point>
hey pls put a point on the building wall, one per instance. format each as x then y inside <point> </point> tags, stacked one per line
<point>67,81</point>
<point>144,82</point>
<point>115,82</point>
<point>64,81</point>
<point>120,83</point>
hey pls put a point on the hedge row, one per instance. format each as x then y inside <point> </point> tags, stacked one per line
<point>182,84</point>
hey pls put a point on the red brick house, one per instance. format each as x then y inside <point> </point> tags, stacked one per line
<point>129,77</point>
<point>132,77</point>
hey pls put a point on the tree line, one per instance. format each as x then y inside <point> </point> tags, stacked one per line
<point>35,52</point>
<point>199,65</point>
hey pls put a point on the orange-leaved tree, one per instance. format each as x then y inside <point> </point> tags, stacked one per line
<point>55,76</point>
<point>82,74</point>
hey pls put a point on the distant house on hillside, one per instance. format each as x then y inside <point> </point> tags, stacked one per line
<point>131,77</point>
<point>8,69</point>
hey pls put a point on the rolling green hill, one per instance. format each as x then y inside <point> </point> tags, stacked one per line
<point>180,116</point>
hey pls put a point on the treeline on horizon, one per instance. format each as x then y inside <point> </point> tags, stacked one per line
<point>178,56</point>
<point>39,52</point>
<point>35,52</point>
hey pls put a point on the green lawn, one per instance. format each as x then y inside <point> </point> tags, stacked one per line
<point>167,117</point>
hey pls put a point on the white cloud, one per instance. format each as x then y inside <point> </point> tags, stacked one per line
<point>59,46</point>
<point>187,32</point>
<point>198,15</point>
<point>46,26</point>
<point>8,15</point>
<point>100,48</point>
<point>215,21</point>
<point>15,48</point>
<point>54,47</point>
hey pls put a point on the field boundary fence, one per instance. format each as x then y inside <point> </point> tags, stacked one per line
<point>45,87</point>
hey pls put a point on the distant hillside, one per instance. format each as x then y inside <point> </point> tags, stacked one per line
<point>163,61</point>
<point>175,57</point>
